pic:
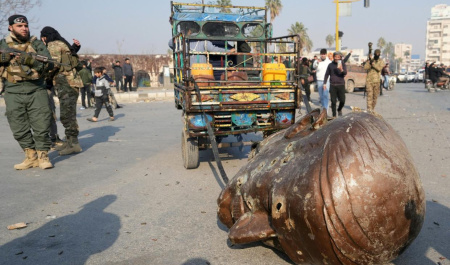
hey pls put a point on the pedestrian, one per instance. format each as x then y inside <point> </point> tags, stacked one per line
<point>426,74</point>
<point>336,71</point>
<point>320,66</point>
<point>86,77</point>
<point>102,88</point>
<point>385,78</point>
<point>373,66</point>
<point>67,83</point>
<point>54,137</point>
<point>128,72</point>
<point>118,76</point>
<point>26,98</point>
<point>305,72</point>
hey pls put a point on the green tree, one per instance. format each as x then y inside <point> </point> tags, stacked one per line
<point>330,40</point>
<point>381,43</point>
<point>224,3</point>
<point>389,50</point>
<point>274,7</point>
<point>407,54</point>
<point>301,30</point>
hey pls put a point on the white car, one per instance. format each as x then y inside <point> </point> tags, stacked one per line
<point>419,75</point>
<point>410,76</point>
<point>401,77</point>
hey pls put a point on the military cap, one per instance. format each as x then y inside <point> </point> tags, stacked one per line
<point>17,19</point>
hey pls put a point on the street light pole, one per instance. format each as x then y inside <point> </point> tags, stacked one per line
<point>338,46</point>
<point>338,42</point>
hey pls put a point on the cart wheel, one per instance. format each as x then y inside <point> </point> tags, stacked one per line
<point>189,149</point>
<point>177,106</point>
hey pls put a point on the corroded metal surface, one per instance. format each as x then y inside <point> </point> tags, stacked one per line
<point>339,192</point>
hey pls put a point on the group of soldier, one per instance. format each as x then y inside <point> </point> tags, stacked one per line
<point>28,66</point>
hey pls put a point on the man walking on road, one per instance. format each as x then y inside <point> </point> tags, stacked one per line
<point>336,71</point>
<point>321,66</point>
<point>373,67</point>
<point>26,98</point>
<point>128,72</point>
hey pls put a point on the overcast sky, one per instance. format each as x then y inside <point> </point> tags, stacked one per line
<point>141,26</point>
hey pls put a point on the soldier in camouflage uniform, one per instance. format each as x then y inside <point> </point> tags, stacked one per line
<point>373,67</point>
<point>67,83</point>
<point>26,99</point>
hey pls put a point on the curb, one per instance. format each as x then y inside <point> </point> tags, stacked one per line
<point>131,97</point>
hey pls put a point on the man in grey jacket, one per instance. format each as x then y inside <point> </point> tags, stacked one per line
<point>128,72</point>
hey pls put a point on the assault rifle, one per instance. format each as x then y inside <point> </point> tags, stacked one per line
<point>37,57</point>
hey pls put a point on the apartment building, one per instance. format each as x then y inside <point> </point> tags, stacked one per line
<point>438,35</point>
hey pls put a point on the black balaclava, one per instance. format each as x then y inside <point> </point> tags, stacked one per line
<point>52,34</point>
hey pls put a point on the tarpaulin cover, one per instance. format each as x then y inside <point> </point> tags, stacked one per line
<point>216,17</point>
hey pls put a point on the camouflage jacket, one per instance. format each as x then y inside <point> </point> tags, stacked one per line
<point>58,49</point>
<point>27,86</point>
<point>374,71</point>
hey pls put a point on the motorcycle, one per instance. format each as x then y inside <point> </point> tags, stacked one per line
<point>440,85</point>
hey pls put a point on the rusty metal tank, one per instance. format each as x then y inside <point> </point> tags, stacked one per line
<point>328,192</point>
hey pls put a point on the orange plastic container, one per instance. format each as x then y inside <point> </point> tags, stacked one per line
<point>274,72</point>
<point>201,69</point>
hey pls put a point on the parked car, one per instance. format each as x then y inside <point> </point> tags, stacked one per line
<point>419,75</point>
<point>401,78</point>
<point>410,76</point>
<point>355,78</point>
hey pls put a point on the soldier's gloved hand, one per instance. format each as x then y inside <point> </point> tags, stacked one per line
<point>26,59</point>
<point>5,57</point>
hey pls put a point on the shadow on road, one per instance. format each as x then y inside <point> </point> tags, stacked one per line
<point>70,239</point>
<point>87,140</point>
<point>433,237</point>
<point>196,261</point>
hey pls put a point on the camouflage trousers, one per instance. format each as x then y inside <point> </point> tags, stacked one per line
<point>372,91</point>
<point>29,119</point>
<point>68,97</point>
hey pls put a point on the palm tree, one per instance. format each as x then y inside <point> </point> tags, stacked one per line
<point>330,40</point>
<point>381,43</point>
<point>274,7</point>
<point>389,50</point>
<point>407,54</point>
<point>305,41</point>
<point>224,3</point>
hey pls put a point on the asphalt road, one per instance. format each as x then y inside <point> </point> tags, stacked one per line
<point>127,199</point>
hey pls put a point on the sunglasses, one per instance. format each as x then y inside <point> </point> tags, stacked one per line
<point>20,20</point>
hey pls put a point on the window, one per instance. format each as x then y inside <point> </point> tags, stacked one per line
<point>189,28</point>
<point>252,30</point>
<point>220,29</point>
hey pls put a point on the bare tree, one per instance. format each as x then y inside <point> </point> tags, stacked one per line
<point>11,7</point>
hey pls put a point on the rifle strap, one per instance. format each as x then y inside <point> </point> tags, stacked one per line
<point>212,137</point>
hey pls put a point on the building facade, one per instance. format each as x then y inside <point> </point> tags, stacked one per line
<point>403,51</point>
<point>438,35</point>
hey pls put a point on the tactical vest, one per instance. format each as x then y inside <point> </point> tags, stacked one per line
<point>16,71</point>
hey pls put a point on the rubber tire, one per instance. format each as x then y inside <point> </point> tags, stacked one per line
<point>177,106</point>
<point>189,151</point>
<point>350,86</point>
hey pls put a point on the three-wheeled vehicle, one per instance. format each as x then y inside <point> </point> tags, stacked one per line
<point>230,74</point>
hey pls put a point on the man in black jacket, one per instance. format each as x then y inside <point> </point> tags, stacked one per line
<point>128,72</point>
<point>336,71</point>
<point>118,76</point>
